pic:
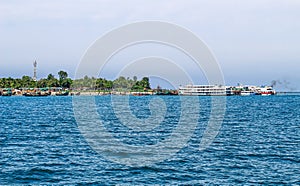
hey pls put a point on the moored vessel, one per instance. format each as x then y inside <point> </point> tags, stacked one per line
<point>267,91</point>
<point>6,92</point>
<point>220,90</point>
<point>62,93</point>
<point>202,90</point>
<point>37,92</point>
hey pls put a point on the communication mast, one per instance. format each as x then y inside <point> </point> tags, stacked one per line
<point>34,70</point>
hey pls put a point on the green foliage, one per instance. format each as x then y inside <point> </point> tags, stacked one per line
<point>119,84</point>
<point>52,81</point>
<point>62,75</point>
<point>64,81</point>
<point>42,83</point>
<point>141,85</point>
<point>103,84</point>
<point>9,82</point>
<point>86,83</point>
<point>27,82</point>
<point>122,84</point>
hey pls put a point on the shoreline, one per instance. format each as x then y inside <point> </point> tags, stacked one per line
<point>150,92</point>
<point>93,93</point>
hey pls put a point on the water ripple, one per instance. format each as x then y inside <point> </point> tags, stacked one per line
<point>259,143</point>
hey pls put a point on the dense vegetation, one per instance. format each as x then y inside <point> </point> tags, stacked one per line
<point>86,83</point>
<point>119,84</point>
<point>28,82</point>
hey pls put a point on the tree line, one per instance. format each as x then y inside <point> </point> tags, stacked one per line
<point>85,83</point>
<point>119,84</point>
<point>28,82</point>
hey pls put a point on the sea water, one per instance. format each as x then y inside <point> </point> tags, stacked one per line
<point>258,143</point>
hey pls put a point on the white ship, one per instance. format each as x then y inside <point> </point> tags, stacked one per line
<point>202,90</point>
<point>267,91</point>
<point>220,90</point>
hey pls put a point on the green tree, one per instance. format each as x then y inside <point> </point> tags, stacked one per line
<point>42,83</point>
<point>27,82</point>
<point>145,83</point>
<point>50,76</point>
<point>120,83</point>
<point>9,82</point>
<point>100,84</point>
<point>108,85</point>
<point>62,75</point>
<point>66,83</point>
<point>2,83</point>
<point>134,78</point>
<point>141,85</point>
<point>52,81</point>
<point>18,83</point>
<point>63,79</point>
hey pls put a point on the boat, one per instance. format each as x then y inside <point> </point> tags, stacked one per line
<point>37,92</point>
<point>166,93</point>
<point>266,94</point>
<point>140,93</point>
<point>202,90</point>
<point>6,92</point>
<point>34,94</point>
<point>267,91</point>
<point>250,90</point>
<point>62,93</point>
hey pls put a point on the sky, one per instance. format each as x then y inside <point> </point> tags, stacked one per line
<point>254,41</point>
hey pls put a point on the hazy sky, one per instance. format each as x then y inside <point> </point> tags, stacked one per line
<point>254,41</point>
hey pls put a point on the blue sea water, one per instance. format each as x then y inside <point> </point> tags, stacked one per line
<point>258,143</point>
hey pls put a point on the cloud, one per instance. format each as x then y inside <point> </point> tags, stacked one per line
<point>245,35</point>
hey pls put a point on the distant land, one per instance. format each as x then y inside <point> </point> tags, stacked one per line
<point>89,83</point>
<point>51,85</point>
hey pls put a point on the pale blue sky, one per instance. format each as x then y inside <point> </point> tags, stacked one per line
<point>254,41</point>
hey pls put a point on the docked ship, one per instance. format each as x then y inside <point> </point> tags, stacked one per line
<point>202,90</point>
<point>220,90</point>
<point>267,91</point>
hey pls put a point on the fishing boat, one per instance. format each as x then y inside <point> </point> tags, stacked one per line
<point>37,92</point>
<point>62,93</point>
<point>166,93</point>
<point>6,92</point>
<point>34,94</point>
<point>140,93</point>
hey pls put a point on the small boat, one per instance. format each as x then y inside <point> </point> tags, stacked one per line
<point>62,93</point>
<point>146,93</point>
<point>37,92</point>
<point>167,93</point>
<point>75,94</point>
<point>140,94</point>
<point>6,92</point>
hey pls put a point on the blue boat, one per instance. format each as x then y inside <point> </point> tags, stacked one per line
<point>6,92</point>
